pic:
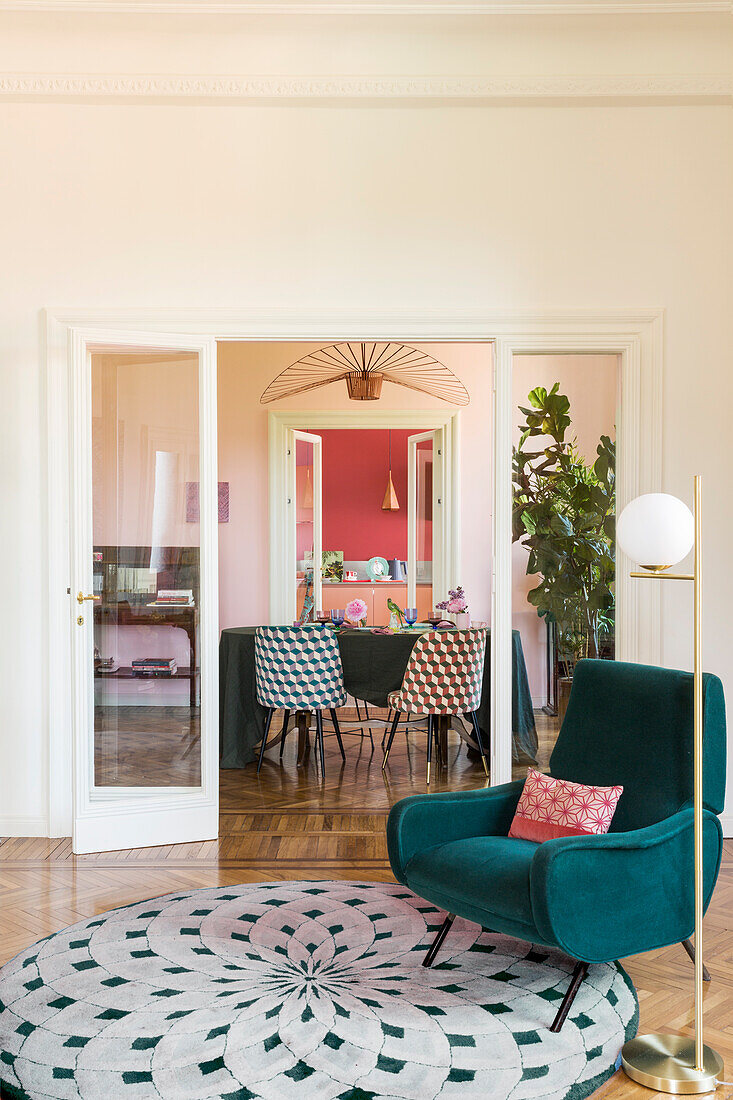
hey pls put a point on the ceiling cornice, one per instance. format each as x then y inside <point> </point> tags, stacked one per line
<point>376,7</point>
<point>702,89</point>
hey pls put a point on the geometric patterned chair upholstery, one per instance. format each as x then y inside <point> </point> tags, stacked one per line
<point>444,675</point>
<point>299,668</point>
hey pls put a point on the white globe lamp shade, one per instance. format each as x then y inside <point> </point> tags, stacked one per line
<point>656,530</point>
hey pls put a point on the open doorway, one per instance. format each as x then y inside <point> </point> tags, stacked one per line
<point>565,411</point>
<point>376,486</point>
<point>429,462</point>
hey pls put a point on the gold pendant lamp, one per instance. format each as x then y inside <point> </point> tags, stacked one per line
<point>390,502</point>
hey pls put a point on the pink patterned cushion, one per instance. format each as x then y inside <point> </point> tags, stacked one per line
<point>556,807</point>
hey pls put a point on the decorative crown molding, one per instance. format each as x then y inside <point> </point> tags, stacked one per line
<point>80,86</point>
<point>377,7</point>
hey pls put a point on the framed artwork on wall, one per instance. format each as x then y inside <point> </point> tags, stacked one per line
<point>192,502</point>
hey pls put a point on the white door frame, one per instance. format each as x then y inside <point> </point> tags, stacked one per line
<point>440,494</point>
<point>106,818</point>
<point>292,435</point>
<point>282,595</point>
<point>635,335</point>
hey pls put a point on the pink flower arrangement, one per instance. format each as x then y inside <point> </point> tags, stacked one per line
<point>356,611</point>
<point>456,603</point>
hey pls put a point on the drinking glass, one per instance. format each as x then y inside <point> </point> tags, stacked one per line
<point>435,617</point>
<point>338,614</point>
<point>410,615</point>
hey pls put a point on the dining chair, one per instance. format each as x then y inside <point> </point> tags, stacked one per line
<point>299,668</point>
<point>444,676</point>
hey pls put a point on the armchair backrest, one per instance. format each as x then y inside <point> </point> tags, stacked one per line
<point>632,724</point>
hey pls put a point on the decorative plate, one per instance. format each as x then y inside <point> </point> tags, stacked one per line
<point>378,569</point>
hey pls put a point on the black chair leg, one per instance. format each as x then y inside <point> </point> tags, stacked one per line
<point>335,720</point>
<point>268,719</point>
<point>366,711</point>
<point>392,732</point>
<point>319,736</point>
<point>579,973</point>
<point>689,948</point>
<point>480,741</point>
<point>437,943</point>
<point>431,735</point>
<point>284,732</point>
<point>384,732</point>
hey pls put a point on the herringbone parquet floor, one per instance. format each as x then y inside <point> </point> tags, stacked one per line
<point>286,824</point>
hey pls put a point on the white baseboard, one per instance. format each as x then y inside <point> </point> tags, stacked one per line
<point>20,825</point>
<point>726,820</point>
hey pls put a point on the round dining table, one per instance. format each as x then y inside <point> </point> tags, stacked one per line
<point>374,665</point>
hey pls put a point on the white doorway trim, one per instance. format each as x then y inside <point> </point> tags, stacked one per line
<point>633,334</point>
<point>281,595</point>
<point>639,470</point>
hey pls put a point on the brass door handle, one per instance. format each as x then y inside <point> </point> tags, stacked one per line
<point>80,597</point>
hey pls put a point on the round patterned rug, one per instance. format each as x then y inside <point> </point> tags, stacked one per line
<point>300,990</point>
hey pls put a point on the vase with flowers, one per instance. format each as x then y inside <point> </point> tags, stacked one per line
<point>456,606</point>
<point>356,612</point>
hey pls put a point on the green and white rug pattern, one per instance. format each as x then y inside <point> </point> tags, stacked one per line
<point>295,990</point>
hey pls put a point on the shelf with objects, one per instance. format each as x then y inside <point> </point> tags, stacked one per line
<point>138,614</point>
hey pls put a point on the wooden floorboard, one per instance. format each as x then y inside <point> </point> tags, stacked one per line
<point>286,824</point>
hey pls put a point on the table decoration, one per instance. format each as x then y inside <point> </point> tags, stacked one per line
<point>456,605</point>
<point>356,612</point>
<point>396,617</point>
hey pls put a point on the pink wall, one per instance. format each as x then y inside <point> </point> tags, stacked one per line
<point>591,384</point>
<point>245,370</point>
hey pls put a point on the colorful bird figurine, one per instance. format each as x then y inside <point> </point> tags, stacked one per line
<point>395,610</point>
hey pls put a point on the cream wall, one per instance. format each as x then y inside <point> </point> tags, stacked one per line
<point>569,205</point>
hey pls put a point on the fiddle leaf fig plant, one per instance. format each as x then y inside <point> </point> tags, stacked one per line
<point>564,514</point>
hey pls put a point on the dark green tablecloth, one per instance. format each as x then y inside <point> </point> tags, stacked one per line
<point>374,665</point>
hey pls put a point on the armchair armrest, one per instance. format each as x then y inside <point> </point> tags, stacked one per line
<point>616,894</point>
<point>423,821</point>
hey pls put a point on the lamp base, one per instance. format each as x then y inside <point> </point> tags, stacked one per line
<point>667,1063</point>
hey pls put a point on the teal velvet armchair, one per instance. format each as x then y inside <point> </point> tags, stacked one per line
<point>597,898</point>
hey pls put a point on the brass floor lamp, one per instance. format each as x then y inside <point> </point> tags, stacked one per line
<point>658,531</point>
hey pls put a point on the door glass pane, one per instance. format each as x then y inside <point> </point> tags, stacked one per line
<point>145,486</point>
<point>304,529</point>
<point>563,606</point>
<point>424,526</point>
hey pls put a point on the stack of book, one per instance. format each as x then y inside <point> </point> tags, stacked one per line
<point>173,597</point>
<point>154,666</point>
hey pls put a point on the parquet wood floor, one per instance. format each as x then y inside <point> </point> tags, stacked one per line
<point>285,824</point>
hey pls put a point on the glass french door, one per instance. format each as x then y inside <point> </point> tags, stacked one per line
<point>425,519</point>
<point>144,590</point>
<point>304,453</point>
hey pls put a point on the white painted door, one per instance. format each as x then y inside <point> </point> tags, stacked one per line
<point>144,593</point>
<point>305,511</point>
<point>426,509</point>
